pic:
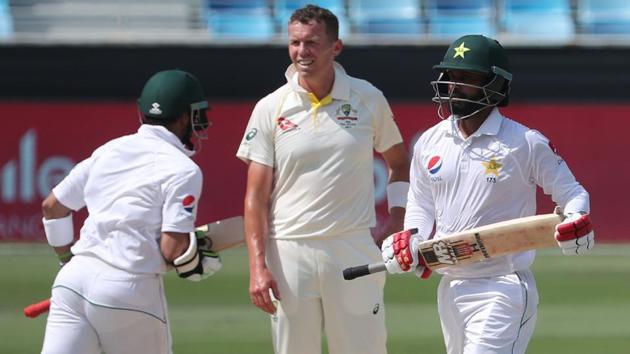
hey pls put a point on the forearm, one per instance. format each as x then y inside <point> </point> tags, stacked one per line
<point>256,231</point>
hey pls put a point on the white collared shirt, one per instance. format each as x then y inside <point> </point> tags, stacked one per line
<point>491,176</point>
<point>322,154</point>
<point>134,187</point>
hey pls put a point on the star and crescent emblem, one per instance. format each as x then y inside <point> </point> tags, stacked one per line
<point>492,166</point>
<point>461,50</point>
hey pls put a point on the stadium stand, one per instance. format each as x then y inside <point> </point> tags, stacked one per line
<point>104,21</point>
<point>371,22</point>
<point>282,10</point>
<point>610,17</point>
<point>548,20</point>
<point>6,23</point>
<point>240,19</point>
<point>453,18</point>
<point>386,18</point>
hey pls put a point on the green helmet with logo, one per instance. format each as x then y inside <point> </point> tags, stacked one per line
<point>169,94</point>
<point>478,54</point>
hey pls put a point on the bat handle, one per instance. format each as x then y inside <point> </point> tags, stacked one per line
<point>37,309</point>
<point>362,270</point>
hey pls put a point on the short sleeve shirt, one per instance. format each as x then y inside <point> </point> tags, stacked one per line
<point>322,154</point>
<point>134,188</point>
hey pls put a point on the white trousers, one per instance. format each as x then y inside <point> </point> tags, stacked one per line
<point>493,315</point>
<point>97,308</point>
<point>315,296</point>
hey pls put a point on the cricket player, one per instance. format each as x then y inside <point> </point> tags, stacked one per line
<point>474,168</point>
<point>141,192</point>
<point>309,204</point>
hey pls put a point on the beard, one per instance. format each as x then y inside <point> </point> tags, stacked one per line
<point>464,108</point>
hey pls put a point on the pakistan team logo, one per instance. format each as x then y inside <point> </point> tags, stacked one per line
<point>251,134</point>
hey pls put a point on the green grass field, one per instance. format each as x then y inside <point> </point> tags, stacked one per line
<point>584,306</point>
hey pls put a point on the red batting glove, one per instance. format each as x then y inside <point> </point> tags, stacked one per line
<point>575,234</point>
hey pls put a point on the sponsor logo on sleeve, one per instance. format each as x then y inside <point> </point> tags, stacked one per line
<point>189,203</point>
<point>251,134</point>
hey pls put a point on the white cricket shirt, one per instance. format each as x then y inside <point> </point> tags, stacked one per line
<point>321,153</point>
<point>134,187</point>
<point>489,177</point>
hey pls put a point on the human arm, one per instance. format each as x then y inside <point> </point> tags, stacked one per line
<point>397,162</point>
<point>575,234</point>
<point>257,201</point>
<point>400,250</point>
<point>58,227</point>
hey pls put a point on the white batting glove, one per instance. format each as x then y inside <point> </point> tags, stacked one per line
<point>400,253</point>
<point>575,234</point>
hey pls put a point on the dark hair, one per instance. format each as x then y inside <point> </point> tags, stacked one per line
<point>312,12</point>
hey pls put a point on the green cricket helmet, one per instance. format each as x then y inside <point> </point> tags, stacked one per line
<point>477,54</point>
<point>169,94</point>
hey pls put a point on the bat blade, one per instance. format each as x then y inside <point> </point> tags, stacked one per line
<point>493,240</point>
<point>224,234</point>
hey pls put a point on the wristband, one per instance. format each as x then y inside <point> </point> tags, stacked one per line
<point>59,232</point>
<point>397,194</point>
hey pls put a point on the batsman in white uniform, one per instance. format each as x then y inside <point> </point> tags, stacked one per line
<point>141,192</point>
<point>309,203</point>
<point>474,168</point>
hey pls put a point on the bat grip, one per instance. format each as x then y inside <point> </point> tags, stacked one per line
<point>362,270</point>
<point>37,309</point>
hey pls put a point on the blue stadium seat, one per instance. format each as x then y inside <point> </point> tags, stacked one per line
<point>453,18</point>
<point>604,16</point>
<point>283,9</point>
<point>240,19</point>
<point>375,17</point>
<point>6,22</point>
<point>538,19</point>
<point>241,26</point>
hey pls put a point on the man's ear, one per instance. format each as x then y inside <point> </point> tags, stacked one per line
<point>337,47</point>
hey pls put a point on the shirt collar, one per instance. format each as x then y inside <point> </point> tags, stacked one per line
<point>490,126</point>
<point>160,132</point>
<point>341,86</point>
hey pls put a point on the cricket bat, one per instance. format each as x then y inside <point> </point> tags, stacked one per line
<point>223,234</point>
<point>493,240</point>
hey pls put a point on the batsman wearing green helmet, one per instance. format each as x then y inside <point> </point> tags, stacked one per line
<point>474,168</point>
<point>141,192</point>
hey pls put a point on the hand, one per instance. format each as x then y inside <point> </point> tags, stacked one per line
<point>575,234</point>
<point>400,253</point>
<point>198,262</point>
<point>260,282</point>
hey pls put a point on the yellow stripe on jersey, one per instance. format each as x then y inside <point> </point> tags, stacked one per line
<point>316,104</point>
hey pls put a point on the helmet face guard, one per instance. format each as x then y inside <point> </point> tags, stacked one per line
<point>494,93</point>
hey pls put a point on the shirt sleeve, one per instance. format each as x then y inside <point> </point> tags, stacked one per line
<point>70,191</point>
<point>550,171</point>
<point>386,131</point>
<point>258,142</point>
<point>181,198</point>
<point>420,212</point>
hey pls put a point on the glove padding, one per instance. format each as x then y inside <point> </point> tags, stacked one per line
<point>400,253</point>
<point>575,234</point>
<point>198,262</point>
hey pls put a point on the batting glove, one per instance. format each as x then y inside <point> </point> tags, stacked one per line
<point>400,253</point>
<point>198,262</point>
<point>575,234</point>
